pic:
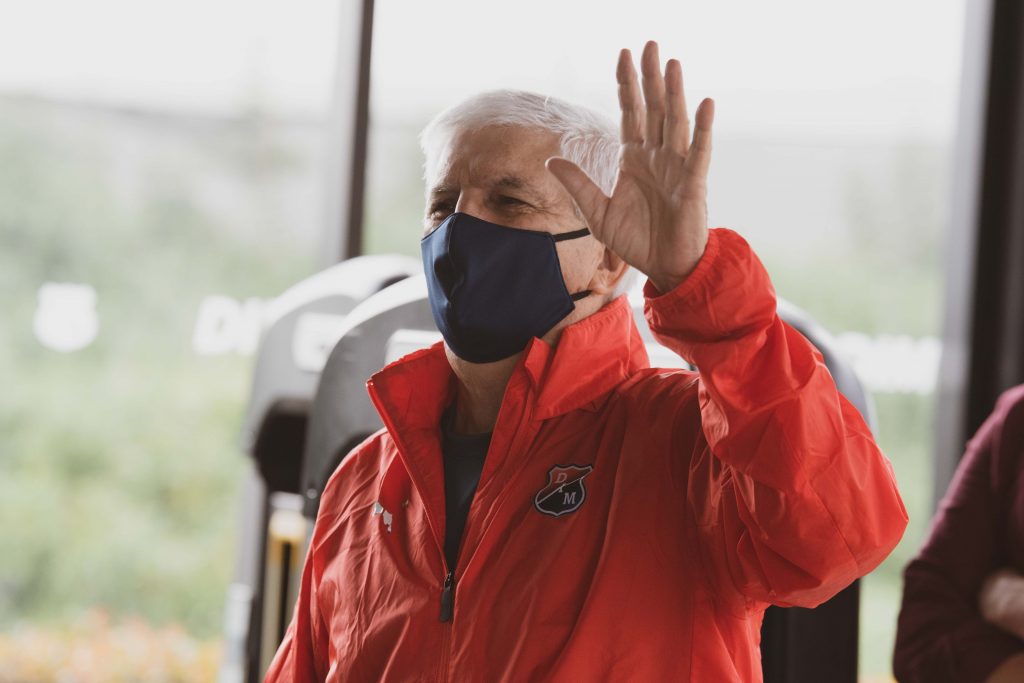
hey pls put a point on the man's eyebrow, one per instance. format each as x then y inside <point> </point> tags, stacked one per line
<point>508,182</point>
<point>513,182</point>
<point>534,193</point>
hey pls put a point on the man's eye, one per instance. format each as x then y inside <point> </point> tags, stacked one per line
<point>505,200</point>
<point>440,209</point>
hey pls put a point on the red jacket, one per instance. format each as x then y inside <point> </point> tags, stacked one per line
<point>631,523</point>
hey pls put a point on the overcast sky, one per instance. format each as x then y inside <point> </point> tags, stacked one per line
<point>872,66</point>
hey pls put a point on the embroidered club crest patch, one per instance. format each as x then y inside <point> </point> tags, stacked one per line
<point>564,492</point>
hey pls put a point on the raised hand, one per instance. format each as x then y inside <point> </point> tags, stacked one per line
<point>656,218</point>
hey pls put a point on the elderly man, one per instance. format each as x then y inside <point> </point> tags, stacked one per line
<point>542,504</point>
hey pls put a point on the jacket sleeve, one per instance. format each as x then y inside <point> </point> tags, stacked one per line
<point>301,656</point>
<point>791,497</point>
<point>941,635</point>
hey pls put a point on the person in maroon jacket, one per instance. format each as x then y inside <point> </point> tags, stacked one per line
<point>962,617</point>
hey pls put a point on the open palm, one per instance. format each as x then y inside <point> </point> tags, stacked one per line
<point>656,218</point>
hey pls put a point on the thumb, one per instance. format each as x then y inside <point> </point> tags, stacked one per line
<point>588,196</point>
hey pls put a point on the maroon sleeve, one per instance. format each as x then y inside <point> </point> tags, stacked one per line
<point>941,635</point>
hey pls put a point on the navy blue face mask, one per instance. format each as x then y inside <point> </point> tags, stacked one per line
<point>493,288</point>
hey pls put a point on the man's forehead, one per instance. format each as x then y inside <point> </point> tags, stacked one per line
<point>497,156</point>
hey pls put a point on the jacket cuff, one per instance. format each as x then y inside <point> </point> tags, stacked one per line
<point>729,292</point>
<point>692,281</point>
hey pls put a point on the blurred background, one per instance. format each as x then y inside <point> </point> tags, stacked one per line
<point>168,168</point>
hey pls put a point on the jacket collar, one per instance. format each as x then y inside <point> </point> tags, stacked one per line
<point>591,357</point>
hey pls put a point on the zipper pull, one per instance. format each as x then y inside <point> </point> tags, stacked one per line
<point>448,596</point>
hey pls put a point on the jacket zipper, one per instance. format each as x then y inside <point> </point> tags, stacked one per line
<point>448,596</point>
<point>447,606</point>
<point>445,617</point>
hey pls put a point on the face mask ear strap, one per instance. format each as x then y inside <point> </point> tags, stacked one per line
<point>562,236</point>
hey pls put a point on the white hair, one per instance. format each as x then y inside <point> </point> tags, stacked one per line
<point>585,137</point>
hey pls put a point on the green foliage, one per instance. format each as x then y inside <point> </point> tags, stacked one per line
<point>120,467</point>
<point>395,190</point>
<point>905,435</point>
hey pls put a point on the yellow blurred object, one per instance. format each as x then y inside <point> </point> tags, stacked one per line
<point>286,535</point>
<point>95,650</point>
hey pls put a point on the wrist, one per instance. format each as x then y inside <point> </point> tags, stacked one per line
<point>667,280</point>
<point>665,284</point>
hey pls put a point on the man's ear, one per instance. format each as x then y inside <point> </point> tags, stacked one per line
<point>610,271</point>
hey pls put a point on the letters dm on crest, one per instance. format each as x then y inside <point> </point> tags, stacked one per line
<point>564,492</point>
